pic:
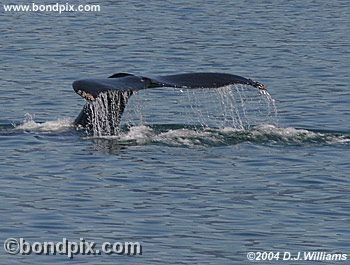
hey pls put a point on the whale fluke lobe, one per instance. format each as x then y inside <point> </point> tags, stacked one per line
<point>115,90</point>
<point>204,80</point>
<point>90,89</point>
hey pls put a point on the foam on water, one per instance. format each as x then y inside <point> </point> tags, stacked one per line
<point>235,113</point>
<point>58,125</point>
<point>262,134</point>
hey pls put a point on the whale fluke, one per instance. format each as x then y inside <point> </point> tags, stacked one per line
<point>204,80</point>
<point>119,87</point>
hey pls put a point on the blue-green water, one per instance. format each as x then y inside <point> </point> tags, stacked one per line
<point>183,177</point>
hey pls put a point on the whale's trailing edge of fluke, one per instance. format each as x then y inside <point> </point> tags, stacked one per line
<point>120,86</point>
<point>91,88</point>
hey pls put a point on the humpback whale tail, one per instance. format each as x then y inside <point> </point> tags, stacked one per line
<point>115,91</point>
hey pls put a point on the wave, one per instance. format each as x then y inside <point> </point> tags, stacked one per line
<point>188,135</point>
<point>192,137</point>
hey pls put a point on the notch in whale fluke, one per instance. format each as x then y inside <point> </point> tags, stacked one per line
<point>120,86</point>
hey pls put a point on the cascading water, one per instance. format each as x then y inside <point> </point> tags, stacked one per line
<point>234,106</point>
<point>106,111</point>
<point>197,117</point>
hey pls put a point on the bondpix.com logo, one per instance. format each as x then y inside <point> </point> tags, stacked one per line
<point>57,8</point>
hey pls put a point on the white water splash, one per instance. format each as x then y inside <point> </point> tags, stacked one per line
<point>289,134</point>
<point>227,115</point>
<point>58,125</point>
<point>266,133</point>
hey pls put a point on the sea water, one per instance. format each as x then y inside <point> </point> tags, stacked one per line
<point>198,177</point>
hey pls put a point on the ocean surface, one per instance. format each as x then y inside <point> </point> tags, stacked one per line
<point>197,177</point>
